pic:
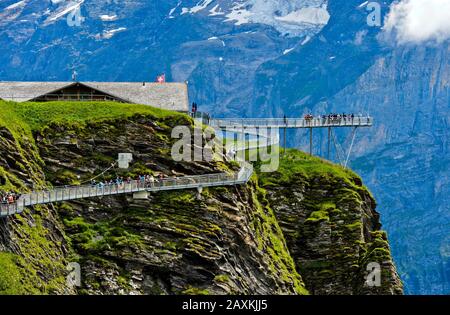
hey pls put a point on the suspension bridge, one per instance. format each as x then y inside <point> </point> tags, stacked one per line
<point>140,189</point>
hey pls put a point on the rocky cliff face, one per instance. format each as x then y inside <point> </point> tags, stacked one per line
<point>237,240</point>
<point>32,246</point>
<point>224,241</point>
<point>331,227</point>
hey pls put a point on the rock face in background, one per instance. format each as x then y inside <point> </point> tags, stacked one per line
<point>223,241</point>
<point>216,45</point>
<point>268,58</point>
<point>350,67</point>
<point>405,161</point>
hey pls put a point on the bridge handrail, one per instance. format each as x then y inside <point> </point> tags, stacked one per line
<point>296,122</point>
<point>78,192</point>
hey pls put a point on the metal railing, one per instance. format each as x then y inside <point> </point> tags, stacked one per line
<point>88,191</point>
<point>317,122</point>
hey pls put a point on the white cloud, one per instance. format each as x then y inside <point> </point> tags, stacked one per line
<point>415,21</point>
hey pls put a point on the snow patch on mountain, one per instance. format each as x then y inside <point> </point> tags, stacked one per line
<point>239,15</point>
<point>306,40</point>
<point>108,18</point>
<point>216,10</point>
<point>12,12</point>
<point>110,33</point>
<point>218,39</point>
<point>197,8</point>
<point>287,51</point>
<point>309,15</point>
<point>16,5</point>
<point>362,5</point>
<point>172,11</point>
<point>289,17</point>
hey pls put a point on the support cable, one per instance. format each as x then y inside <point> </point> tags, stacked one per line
<point>351,146</point>
<point>337,147</point>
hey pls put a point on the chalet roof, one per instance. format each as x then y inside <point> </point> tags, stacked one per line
<point>25,91</point>
<point>172,96</point>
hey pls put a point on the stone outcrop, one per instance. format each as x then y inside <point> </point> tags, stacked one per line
<point>331,226</point>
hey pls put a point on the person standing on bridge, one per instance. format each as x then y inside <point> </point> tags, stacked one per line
<point>151,180</point>
<point>142,179</point>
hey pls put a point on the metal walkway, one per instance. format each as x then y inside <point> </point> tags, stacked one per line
<point>318,122</point>
<point>255,125</point>
<point>135,186</point>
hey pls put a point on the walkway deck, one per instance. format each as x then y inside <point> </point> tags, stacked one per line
<point>223,123</point>
<point>82,192</point>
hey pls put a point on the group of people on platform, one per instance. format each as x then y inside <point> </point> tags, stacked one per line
<point>147,180</point>
<point>331,117</point>
<point>8,197</point>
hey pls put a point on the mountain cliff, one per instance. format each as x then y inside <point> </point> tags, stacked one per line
<point>405,162</point>
<point>238,240</point>
<point>331,226</point>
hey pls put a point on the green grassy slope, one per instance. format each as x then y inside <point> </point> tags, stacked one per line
<point>32,116</point>
<point>294,163</point>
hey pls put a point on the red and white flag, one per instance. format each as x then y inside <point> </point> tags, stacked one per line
<point>161,78</point>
